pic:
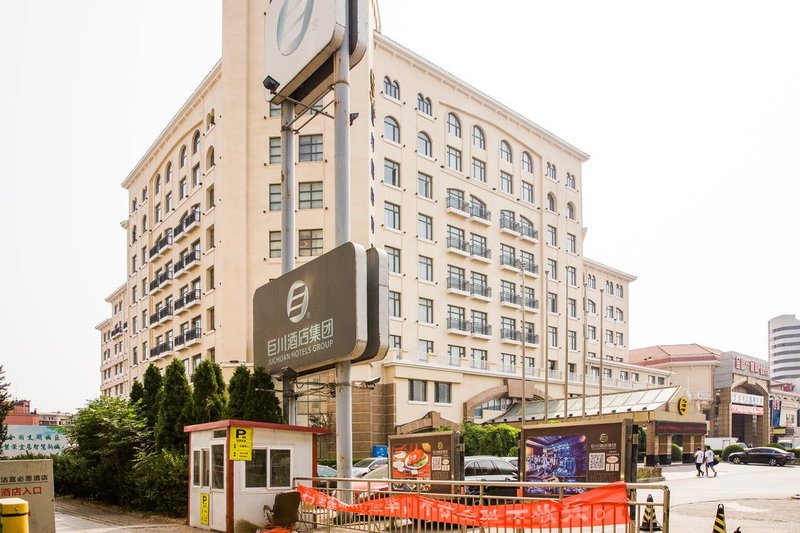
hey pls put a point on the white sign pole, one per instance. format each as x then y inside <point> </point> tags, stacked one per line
<point>344,393</point>
<point>288,233</point>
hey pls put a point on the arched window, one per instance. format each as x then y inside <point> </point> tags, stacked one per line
<point>525,223</point>
<point>478,138</point>
<point>455,199</point>
<point>183,157</point>
<point>158,184</point>
<point>391,129</point>
<point>210,120</point>
<point>424,105</point>
<point>527,162</point>
<point>551,202</point>
<point>196,142</point>
<point>210,162</point>
<point>591,307</point>
<point>618,314</point>
<point>570,211</point>
<point>169,172</point>
<point>453,125</point>
<point>391,88</point>
<point>505,152</point>
<point>508,219</point>
<point>424,144</point>
<point>133,235</point>
<point>144,224</point>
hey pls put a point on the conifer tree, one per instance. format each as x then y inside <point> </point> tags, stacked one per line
<point>137,394</point>
<point>174,408</point>
<point>6,406</point>
<point>237,393</point>
<point>152,387</point>
<point>208,392</point>
<point>261,403</point>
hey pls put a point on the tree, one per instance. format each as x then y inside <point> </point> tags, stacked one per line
<point>174,408</point>
<point>6,406</point>
<point>152,387</point>
<point>237,393</point>
<point>261,403</point>
<point>208,394</point>
<point>137,393</point>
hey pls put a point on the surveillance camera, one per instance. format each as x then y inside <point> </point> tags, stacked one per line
<point>271,84</point>
<point>372,382</point>
<point>289,372</point>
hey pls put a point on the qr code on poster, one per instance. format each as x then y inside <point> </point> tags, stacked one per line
<point>597,461</point>
<point>436,462</point>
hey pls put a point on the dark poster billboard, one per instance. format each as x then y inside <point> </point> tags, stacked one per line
<point>575,453</point>
<point>433,456</point>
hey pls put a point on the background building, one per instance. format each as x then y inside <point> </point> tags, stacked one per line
<point>479,209</point>
<point>784,349</point>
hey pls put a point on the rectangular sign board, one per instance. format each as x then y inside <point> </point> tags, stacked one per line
<point>377,306</point>
<point>575,453</point>
<point>313,316</point>
<point>42,440</point>
<point>205,501</point>
<point>241,444</point>
<point>31,480</point>
<point>435,456</point>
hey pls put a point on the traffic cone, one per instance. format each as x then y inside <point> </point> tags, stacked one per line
<point>649,522</point>
<point>719,521</point>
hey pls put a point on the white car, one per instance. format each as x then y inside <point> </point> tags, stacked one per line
<point>368,464</point>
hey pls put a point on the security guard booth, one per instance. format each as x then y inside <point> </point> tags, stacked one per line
<point>237,467</point>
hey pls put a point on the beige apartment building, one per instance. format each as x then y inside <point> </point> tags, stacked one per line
<point>479,209</point>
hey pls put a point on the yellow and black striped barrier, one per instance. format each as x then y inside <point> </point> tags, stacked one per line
<point>649,522</point>
<point>719,520</point>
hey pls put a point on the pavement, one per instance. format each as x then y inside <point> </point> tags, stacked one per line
<point>78,516</point>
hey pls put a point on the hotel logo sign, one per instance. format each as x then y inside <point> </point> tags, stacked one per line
<point>297,301</point>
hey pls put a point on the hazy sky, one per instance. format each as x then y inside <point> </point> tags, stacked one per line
<point>690,111</point>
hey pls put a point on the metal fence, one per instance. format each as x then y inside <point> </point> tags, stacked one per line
<point>647,505</point>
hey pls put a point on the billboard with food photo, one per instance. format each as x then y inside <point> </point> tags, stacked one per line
<point>426,456</point>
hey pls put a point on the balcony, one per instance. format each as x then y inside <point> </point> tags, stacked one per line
<point>531,303</point>
<point>457,245</point>
<point>480,364</point>
<point>509,261</point>
<point>186,301</point>
<point>187,339</point>
<point>458,325</point>
<point>481,253</point>
<point>160,281</point>
<point>180,266</point>
<point>529,268</point>
<point>457,205</point>
<point>183,227</point>
<point>160,314</point>
<point>511,335</point>
<point>508,368</point>
<point>480,290</point>
<point>481,329</point>
<point>449,360</point>
<point>509,225</point>
<point>527,232</point>
<point>479,213</point>
<point>117,330</point>
<point>531,339</point>
<point>161,244</point>
<point>509,298</point>
<point>457,285</point>
<point>164,347</point>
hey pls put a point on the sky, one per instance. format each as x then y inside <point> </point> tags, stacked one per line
<point>689,111</point>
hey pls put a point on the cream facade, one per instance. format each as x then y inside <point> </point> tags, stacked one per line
<point>114,363</point>
<point>479,208</point>
<point>784,349</point>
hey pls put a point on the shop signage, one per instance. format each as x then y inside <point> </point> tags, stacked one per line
<point>665,427</point>
<point>747,399</point>
<point>775,411</point>
<point>683,405</point>
<point>39,440</point>
<point>737,409</point>
<point>241,445</point>
<point>754,367</point>
<point>313,316</point>
<point>427,456</point>
<point>31,480</point>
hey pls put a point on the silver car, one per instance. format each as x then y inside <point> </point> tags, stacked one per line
<point>368,464</point>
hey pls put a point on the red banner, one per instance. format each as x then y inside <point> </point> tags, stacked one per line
<point>598,507</point>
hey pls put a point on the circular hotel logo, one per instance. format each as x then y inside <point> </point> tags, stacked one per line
<point>297,301</point>
<point>293,22</point>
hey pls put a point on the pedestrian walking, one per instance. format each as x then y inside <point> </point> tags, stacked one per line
<point>709,459</point>
<point>699,459</point>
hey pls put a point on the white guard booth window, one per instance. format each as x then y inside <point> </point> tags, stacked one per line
<point>224,488</point>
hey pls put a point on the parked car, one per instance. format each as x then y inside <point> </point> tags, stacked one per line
<point>326,471</point>
<point>514,461</point>
<point>770,456</point>
<point>368,464</point>
<point>488,468</point>
<point>372,484</point>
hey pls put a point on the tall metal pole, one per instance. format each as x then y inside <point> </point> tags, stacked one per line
<point>546,349</point>
<point>524,360</point>
<point>602,355</point>
<point>583,371</point>
<point>566,348</point>
<point>344,392</point>
<point>288,234</point>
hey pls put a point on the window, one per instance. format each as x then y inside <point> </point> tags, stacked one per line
<point>275,197</point>
<point>505,152</point>
<point>158,184</point>
<point>453,125</point>
<point>424,145</point>
<point>210,242</point>
<point>591,307</point>
<point>634,376</point>
<point>255,472</point>
<point>424,347</point>
<point>478,138</point>
<point>424,185</point>
<point>506,182</point>
<point>144,195</point>
<point>591,333</point>
<point>618,315</point>
<point>391,172</point>
<point>619,291</point>
<point>609,337</point>
<point>591,281</point>
<point>442,392</point>
<point>552,236</point>
<point>527,192</point>
<point>425,227</point>
<point>182,192</point>
<point>552,336</point>
<point>425,311</point>
<point>274,150</point>
<point>168,202</point>
<point>394,259</point>
<point>570,181</point>
<point>394,304</point>
<point>572,307</point>
<point>609,288</point>
<point>280,471</point>
<point>310,148</point>
<point>572,276</point>
<point>455,354</point>
<point>552,302</point>
<point>620,338</point>
<point>218,466</point>
<point>417,390</point>
<point>310,241</point>
<point>391,215</point>
<point>572,340</point>
<point>551,202</point>
<point>552,269</point>
<point>395,341</point>
<point>391,88</point>
<point>310,195</point>
<point>424,105</point>
<point>507,362</point>
<point>168,174</point>
<point>274,110</point>
<point>391,129</point>
<point>527,162</point>
<point>456,279</point>
<point>157,212</point>
<point>425,269</point>
<point>454,158</point>
<point>551,171</point>
<point>572,246</point>
<point>274,244</point>
<point>479,170</point>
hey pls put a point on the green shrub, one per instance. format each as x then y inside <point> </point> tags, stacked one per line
<point>677,452</point>
<point>729,450</point>
<point>775,445</point>
<point>327,462</point>
<point>643,473</point>
<point>796,452</point>
<point>72,475</point>
<point>160,480</point>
